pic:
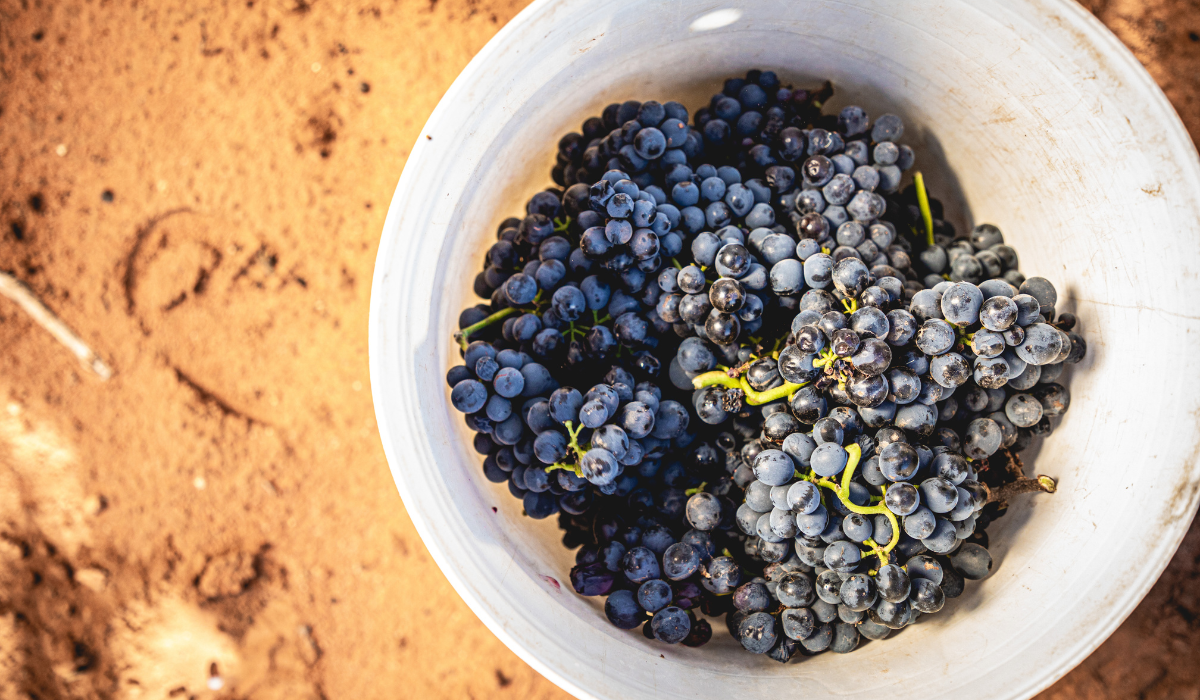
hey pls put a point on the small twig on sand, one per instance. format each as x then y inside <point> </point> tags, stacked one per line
<point>12,288</point>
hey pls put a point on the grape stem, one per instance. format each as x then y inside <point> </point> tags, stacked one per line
<point>842,491</point>
<point>573,331</point>
<point>1023,485</point>
<point>923,205</point>
<point>741,369</point>
<point>1020,483</point>
<point>464,336</point>
<point>575,447</point>
<point>754,398</point>
<point>827,359</point>
<point>561,225</point>
<point>573,444</point>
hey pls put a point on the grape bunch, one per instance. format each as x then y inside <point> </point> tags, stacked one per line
<point>756,375</point>
<point>909,499</point>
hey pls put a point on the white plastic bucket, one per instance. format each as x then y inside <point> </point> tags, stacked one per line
<point>1026,114</point>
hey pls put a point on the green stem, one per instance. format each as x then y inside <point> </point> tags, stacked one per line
<point>843,494</point>
<point>715,378</point>
<point>825,358</point>
<point>575,447</point>
<point>463,336</point>
<point>561,225</point>
<point>923,205</point>
<point>784,390</point>
<point>572,331</point>
<point>753,398</point>
<point>574,442</point>
<point>855,455</point>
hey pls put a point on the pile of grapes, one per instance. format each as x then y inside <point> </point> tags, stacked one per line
<point>754,376</point>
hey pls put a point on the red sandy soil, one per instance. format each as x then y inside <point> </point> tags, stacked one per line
<point>222,507</point>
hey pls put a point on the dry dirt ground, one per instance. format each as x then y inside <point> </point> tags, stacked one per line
<point>198,189</point>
